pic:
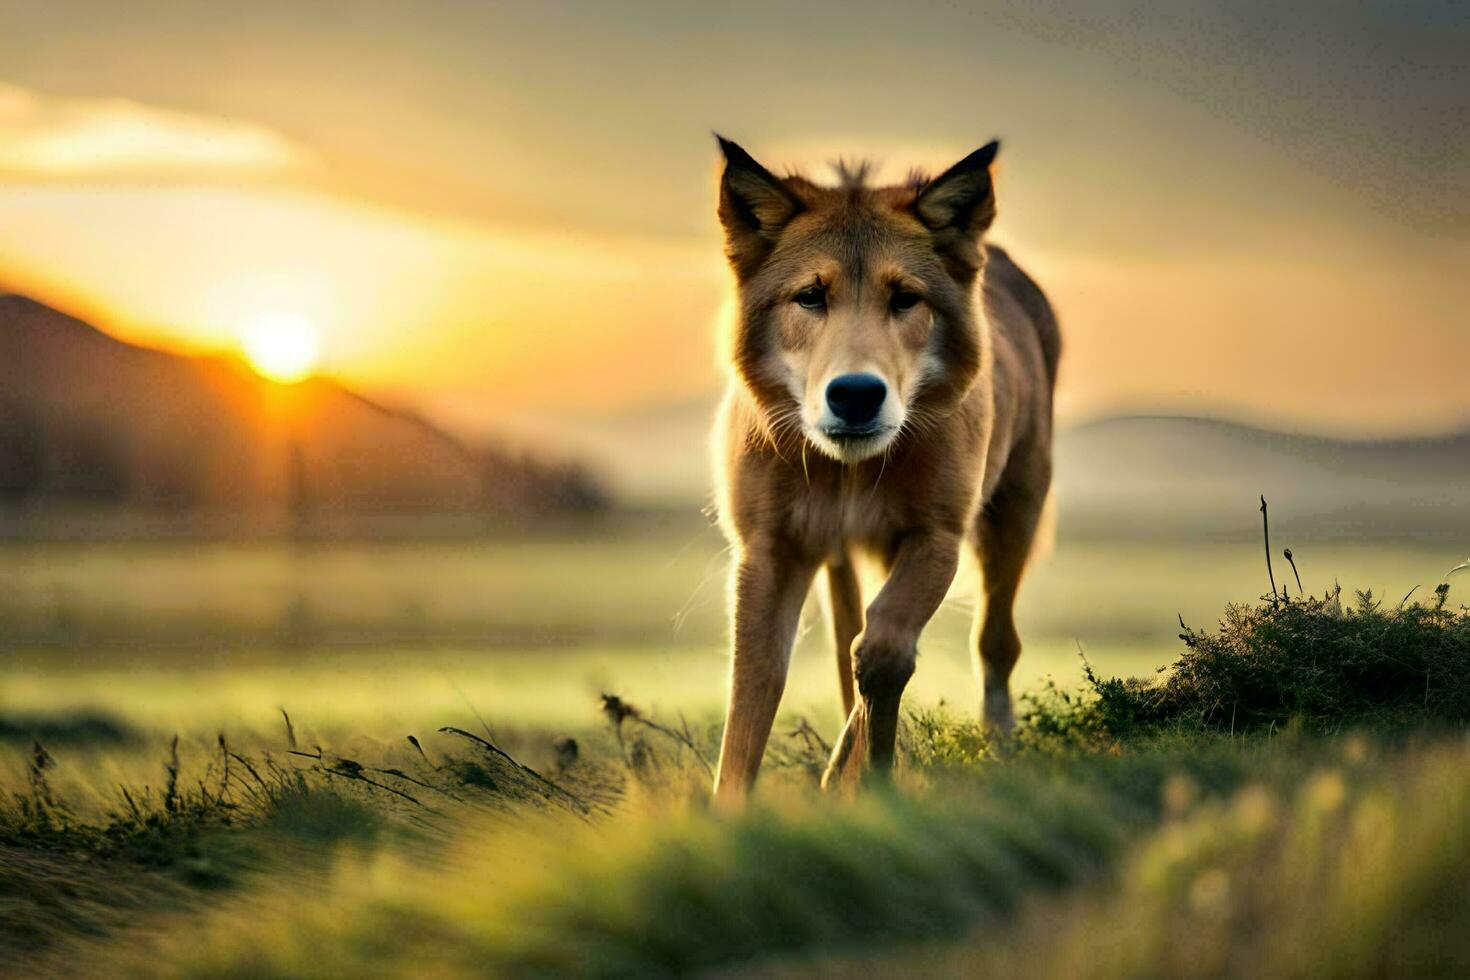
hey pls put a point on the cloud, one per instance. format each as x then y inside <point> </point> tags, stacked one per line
<point>50,137</point>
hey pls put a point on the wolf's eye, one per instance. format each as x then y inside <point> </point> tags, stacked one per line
<point>812,298</point>
<point>903,301</point>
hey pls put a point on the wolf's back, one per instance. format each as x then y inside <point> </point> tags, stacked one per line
<point>1002,272</point>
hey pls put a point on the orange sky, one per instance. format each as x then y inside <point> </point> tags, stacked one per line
<point>501,213</point>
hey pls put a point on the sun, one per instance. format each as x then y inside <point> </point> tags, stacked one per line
<point>283,347</point>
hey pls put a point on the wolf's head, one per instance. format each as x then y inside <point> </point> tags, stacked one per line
<point>857,312</point>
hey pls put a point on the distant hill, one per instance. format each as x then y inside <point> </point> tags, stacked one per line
<point>1171,475</point>
<point>86,419</point>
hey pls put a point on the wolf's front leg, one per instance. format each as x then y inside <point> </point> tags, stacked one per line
<point>884,655</point>
<point>769,588</point>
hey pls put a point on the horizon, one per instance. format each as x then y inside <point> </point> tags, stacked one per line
<point>701,407</point>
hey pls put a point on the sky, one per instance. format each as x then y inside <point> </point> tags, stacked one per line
<point>506,211</point>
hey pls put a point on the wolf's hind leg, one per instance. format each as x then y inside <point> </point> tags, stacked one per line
<point>846,610</point>
<point>1006,529</point>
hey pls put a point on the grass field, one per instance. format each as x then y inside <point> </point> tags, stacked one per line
<point>179,634</point>
<point>1319,827</point>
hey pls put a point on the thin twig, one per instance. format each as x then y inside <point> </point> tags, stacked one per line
<point>1266,530</point>
<point>618,711</point>
<point>250,769</point>
<point>399,773</point>
<point>224,752</point>
<point>496,750</point>
<point>424,755</point>
<point>807,733</point>
<point>683,739</point>
<point>137,815</point>
<point>1298,575</point>
<point>350,774</point>
<point>469,704</point>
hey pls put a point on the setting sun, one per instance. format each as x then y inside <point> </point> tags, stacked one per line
<point>283,347</point>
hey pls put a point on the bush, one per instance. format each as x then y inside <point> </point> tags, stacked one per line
<point>1303,661</point>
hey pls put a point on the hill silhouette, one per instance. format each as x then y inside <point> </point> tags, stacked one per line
<point>1183,475</point>
<point>87,419</point>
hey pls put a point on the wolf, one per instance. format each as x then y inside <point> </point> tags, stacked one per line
<point>890,399</point>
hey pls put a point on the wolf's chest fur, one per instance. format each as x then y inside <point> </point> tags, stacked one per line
<point>827,517</point>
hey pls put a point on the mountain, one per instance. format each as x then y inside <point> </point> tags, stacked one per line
<point>88,419</point>
<point>1180,475</point>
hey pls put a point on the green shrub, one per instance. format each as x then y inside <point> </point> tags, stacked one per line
<point>1305,662</point>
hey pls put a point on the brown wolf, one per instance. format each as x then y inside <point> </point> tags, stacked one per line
<point>877,406</point>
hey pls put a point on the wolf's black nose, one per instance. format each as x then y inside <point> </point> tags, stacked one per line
<point>856,398</point>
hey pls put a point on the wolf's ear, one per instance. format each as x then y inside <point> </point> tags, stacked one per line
<point>754,207</point>
<point>962,199</point>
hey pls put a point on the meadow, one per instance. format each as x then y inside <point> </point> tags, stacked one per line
<point>184,634</point>
<point>206,755</point>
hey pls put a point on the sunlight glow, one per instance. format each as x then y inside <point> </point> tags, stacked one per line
<point>283,347</point>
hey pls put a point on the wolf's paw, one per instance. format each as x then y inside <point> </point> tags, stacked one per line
<point>999,716</point>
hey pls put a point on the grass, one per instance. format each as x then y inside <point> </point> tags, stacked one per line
<point>1287,798</point>
<point>959,861</point>
<point>1356,871</point>
<point>84,867</point>
<point>81,861</point>
<point>1351,861</point>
